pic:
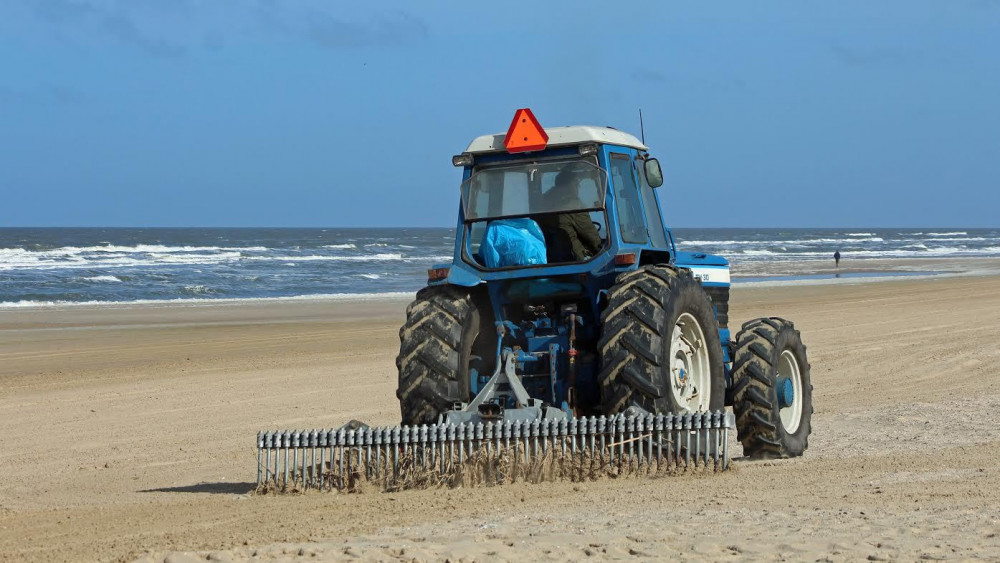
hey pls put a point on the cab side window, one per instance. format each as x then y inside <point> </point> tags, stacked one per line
<point>627,199</point>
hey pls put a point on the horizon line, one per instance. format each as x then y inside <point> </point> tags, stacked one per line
<point>8,227</point>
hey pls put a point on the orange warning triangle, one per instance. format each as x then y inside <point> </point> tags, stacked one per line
<point>525,134</point>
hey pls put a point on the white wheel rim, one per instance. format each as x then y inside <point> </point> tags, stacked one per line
<point>788,367</point>
<point>690,371</point>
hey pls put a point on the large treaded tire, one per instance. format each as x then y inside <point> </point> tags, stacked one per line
<point>759,346</point>
<point>435,346</point>
<point>643,308</point>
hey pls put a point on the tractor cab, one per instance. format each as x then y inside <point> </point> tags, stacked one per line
<point>553,201</point>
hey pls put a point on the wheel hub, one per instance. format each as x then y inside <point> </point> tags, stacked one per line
<point>789,388</point>
<point>689,372</point>
<point>786,392</point>
<point>681,369</point>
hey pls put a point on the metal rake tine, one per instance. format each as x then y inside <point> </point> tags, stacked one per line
<point>287,443</point>
<point>687,437</point>
<point>696,426</point>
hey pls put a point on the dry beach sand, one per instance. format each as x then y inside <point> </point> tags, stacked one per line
<point>127,433</point>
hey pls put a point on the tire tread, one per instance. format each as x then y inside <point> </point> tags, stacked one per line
<point>754,377</point>
<point>430,353</point>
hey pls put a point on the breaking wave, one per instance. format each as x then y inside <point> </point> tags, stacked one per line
<point>210,301</point>
<point>924,252</point>
<point>107,266</point>
<point>804,241</point>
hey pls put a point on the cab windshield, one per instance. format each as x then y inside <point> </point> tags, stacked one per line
<point>518,190</point>
<point>535,213</point>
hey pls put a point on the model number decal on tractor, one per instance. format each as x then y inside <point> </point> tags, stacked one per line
<point>713,275</point>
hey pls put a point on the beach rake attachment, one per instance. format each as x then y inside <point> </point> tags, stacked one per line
<point>491,453</point>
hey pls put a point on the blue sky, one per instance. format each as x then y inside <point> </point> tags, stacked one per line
<point>319,113</point>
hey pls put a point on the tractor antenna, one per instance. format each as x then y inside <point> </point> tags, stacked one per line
<point>642,131</point>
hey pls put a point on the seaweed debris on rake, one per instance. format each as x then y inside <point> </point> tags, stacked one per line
<point>493,453</point>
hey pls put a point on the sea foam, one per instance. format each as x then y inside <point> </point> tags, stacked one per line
<point>390,295</point>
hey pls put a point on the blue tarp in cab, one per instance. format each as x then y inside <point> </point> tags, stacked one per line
<point>513,242</point>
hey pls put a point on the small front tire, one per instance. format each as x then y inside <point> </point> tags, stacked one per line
<point>772,389</point>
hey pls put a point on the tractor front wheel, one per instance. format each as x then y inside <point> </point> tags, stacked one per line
<point>772,389</point>
<point>659,345</point>
<point>435,347</point>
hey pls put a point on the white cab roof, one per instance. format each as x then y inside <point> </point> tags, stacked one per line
<point>558,136</point>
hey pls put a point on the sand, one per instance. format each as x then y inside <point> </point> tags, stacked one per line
<point>128,434</point>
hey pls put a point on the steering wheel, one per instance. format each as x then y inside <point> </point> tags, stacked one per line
<point>598,225</point>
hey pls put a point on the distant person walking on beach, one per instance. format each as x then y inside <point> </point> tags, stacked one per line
<point>836,257</point>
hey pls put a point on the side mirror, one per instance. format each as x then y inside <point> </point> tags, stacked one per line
<point>653,173</point>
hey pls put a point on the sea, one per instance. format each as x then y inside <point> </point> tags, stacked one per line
<point>58,266</point>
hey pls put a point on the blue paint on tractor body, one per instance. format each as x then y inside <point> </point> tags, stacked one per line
<point>547,368</point>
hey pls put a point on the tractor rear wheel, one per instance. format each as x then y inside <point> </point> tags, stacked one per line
<point>659,347</point>
<point>435,347</point>
<point>772,389</point>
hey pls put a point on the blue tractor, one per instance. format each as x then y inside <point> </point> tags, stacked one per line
<point>567,297</point>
